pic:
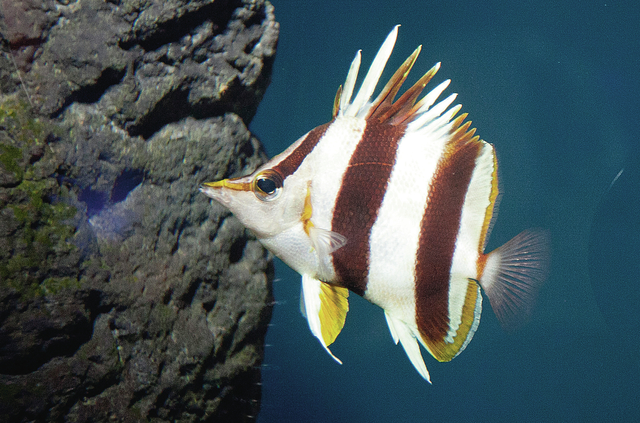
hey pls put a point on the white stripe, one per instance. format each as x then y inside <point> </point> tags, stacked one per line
<point>320,172</point>
<point>466,252</point>
<point>395,235</point>
<point>325,167</point>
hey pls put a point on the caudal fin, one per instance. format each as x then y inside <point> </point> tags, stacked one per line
<point>513,274</point>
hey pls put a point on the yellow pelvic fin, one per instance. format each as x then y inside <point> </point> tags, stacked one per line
<point>333,311</point>
<point>325,307</point>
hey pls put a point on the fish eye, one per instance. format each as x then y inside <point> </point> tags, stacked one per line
<point>267,185</point>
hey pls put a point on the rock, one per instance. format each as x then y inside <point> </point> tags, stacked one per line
<point>125,294</point>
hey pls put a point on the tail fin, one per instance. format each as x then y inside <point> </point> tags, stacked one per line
<point>512,275</point>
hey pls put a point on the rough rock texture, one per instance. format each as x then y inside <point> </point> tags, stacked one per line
<point>125,294</point>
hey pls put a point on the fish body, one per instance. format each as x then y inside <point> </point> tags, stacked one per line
<point>393,200</point>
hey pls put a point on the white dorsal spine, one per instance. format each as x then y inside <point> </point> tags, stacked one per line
<point>422,114</point>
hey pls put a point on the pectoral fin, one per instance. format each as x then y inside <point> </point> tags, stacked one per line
<point>325,307</point>
<point>325,242</point>
<point>403,333</point>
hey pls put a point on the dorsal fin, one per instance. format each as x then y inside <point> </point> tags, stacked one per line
<point>385,99</point>
<point>404,111</point>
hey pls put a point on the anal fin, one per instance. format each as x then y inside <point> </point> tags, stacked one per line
<point>325,307</point>
<point>403,333</point>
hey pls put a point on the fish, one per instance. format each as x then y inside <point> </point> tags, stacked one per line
<point>394,200</point>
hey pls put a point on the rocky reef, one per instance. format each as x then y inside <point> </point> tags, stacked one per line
<point>125,294</point>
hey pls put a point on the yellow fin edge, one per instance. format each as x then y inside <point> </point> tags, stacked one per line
<point>442,350</point>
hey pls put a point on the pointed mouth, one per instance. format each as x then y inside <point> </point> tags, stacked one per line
<point>221,190</point>
<point>232,184</point>
<point>216,191</point>
<point>213,185</point>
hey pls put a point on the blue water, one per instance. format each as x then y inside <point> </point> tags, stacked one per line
<point>554,85</point>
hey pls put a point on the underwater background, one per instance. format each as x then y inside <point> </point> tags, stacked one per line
<point>554,85</point>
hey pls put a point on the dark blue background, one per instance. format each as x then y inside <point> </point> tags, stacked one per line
<point>554,85</point>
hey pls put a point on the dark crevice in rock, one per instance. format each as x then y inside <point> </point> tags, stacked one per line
<point>249,47</point>
<point>209,305</point>
<point>38,151</point>
<point>187,297</point>
<point>166,298</point>
<point>187,368</point>
<point>236,251</point>
<point>94,200</point>
<point>169,109</point>
<point>246,150</point>
<point>126,182</point>
<point>93,93</point>
<point>110,379</point>
<point>165,59</point>
<point>54,342</point>
<point>174,248</point>
<point>174,107</point>
<point>227,340</point>
<point>137,396</point>
<point>256,19</point>
<point>93,302</point>
<point>173,30</point>
<point>22,42</point>
<point>160,402</point>
<point>178,232</point>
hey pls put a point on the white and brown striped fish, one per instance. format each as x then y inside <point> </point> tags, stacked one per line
<point>392,200</point>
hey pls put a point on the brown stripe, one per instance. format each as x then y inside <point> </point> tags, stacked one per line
<point>359,199</point>
<point>291,163</point>
<point>438,233</point>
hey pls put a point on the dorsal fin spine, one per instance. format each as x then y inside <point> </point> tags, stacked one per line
<point>402,110</point>
<point>384,101</point>
<point>350,83</point>
<point>336,102</point>
<point>373,75</point>
<point>407,110</point>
